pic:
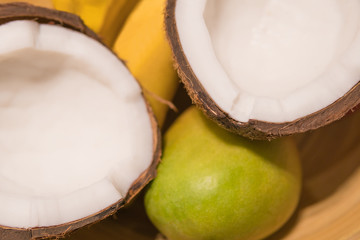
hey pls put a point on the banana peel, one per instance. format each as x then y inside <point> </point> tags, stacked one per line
<point>142,44</point>
<point>115,19</point>
<point>91,11</point>
<point>105,17</point>
<point>40,3</point>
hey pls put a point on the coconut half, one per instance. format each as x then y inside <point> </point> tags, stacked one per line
<point>77,139</point>
<point>268,68</point>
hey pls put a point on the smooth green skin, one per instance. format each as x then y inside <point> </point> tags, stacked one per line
<point>213,185</point>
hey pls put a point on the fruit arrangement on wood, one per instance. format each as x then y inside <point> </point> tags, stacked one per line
<point>179,119</point>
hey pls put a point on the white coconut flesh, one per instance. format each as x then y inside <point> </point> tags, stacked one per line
<point>272,60</point>
<point>74,128</point>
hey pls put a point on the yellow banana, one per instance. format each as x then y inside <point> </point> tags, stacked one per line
<point>40,3</point>
<point>105,17</point>
<point>143,46</point>
<point>115,19</point>
<point>91,11</point>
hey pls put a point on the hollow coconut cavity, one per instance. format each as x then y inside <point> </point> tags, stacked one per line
<point>77,139</point>
<point>268,68</point>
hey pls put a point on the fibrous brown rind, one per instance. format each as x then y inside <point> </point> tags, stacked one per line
<point>23,11</point>
<point>253,129</point>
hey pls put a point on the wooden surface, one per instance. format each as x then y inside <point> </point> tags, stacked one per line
<point>330,203</point>
<point>329,208</point>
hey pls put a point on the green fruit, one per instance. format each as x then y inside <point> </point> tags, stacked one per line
<point>212,184</point>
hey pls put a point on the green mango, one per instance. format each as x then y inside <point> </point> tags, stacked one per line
<point>214,185</point>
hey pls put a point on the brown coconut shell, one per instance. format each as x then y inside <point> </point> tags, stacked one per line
<point>253,129</point>
<point>22,11</point>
